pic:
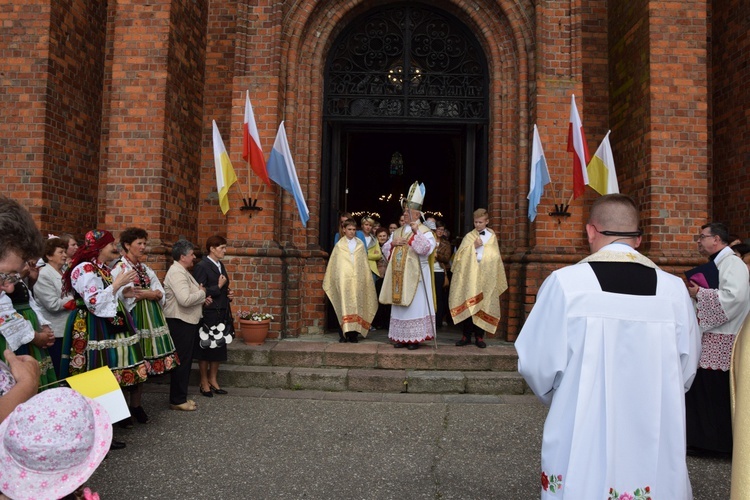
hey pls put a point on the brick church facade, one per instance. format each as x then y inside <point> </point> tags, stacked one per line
<point>107,109</point>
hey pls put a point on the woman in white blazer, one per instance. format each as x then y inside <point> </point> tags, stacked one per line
<point>183,309</point>
<point>48,294</point>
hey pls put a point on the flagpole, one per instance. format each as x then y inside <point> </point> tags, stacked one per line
<point>249,184</point>
<point>260,185</point>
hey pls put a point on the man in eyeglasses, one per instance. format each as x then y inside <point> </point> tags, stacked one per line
<point>721,312</point>
<point>612,345</point>
<point>20,241</point>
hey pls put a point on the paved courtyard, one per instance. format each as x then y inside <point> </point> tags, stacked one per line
<point>264,444</point>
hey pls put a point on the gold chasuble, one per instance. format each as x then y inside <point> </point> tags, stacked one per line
<point>404,272</point>
<point>349,286</point>
<point>476,286</point>
<point>740,396</point>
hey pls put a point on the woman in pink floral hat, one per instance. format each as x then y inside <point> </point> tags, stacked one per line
<point>51,444</point>
<point>100,331</point>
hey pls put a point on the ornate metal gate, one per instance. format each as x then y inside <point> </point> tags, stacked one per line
<point>406,62</point>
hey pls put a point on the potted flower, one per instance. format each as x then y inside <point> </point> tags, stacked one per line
<point>254,326</point>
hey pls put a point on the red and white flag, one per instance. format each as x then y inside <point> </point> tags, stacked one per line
<point>251,151</point>
<point>577,146</point>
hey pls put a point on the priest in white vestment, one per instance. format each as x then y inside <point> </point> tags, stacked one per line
<point>721,312</point>
<point>611,345</point>
<point>409,283</point>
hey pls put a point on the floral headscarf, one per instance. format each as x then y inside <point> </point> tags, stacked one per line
<point>93,243</point>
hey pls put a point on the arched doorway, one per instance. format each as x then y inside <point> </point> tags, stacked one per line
<point>405,100</point>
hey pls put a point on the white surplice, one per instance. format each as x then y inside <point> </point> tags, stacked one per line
<point>416,322</point>
<point>613,369</point>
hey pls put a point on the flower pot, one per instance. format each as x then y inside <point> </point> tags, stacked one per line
<point>254,332</point>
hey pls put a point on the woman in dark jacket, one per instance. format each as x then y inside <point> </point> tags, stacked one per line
<point>212,274</point>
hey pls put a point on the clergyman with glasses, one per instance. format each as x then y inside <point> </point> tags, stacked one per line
<point>721,312</point>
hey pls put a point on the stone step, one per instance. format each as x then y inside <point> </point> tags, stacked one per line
<point>370,379</point>
<point>364,355</point>
<point>373,365</point>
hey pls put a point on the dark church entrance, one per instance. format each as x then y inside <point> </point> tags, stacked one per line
<point>378,166</point>
<point>405,100</point>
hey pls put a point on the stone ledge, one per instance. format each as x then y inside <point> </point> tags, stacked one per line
<point>436,382</point>
<point>375,380</point>
<point>324,379</point>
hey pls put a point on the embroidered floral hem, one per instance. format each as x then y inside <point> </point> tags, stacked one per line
<point>162,365</point>
<point>552,483</point>
<point>639,494</point>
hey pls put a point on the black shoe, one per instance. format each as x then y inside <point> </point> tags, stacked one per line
<point>352,337</point>
<point>117,445</point>
<point>480,343</point>
<point>207,393</point>
<point>139,414</point>
<point>126,423</point>
<point>464,341</point>
<point>399,345</point>
<point>217,391</point>
<point>412,347</point>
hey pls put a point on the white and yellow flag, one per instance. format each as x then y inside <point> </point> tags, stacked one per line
<point>101,385</point>
<point>224,171</point>
<point>601,170</point>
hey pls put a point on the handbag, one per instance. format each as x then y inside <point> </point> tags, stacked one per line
<point>218,335</point>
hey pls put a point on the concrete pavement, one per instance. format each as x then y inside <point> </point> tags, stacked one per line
<point>276,444</point>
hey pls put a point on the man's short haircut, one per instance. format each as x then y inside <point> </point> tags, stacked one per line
<point>215,241</point>
<point>129,235</point>
<point>720,230</point>
<point>180,248</point>
<point>615,212</point>
<point>51,245</point>
<point>18,232</point>
<point>349,222</point>
<point>481,212</point>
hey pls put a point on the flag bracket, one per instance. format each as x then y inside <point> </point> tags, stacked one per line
<point>560,211</point>
<point>248,204</point>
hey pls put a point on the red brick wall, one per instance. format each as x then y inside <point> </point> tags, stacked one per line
<point>630,103</point>
<point>659,110</point>
<point>122,97</point>
<point>731,123</point>
<point>51,99</point>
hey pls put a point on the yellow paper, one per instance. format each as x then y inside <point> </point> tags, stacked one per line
<point>94,383</point>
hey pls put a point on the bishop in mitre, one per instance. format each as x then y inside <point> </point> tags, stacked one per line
<point>409,284</point>
<point>349,287</point>
<point>478,281</point>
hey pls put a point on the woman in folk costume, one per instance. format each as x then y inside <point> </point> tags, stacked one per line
<point>348,285</point>
<point>478,281</point>
<point>409,284</point>
<point>44,337</point>
<point>100,331</point>
<point>156,342</point>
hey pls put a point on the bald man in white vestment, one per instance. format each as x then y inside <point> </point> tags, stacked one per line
<point>611,345</point>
